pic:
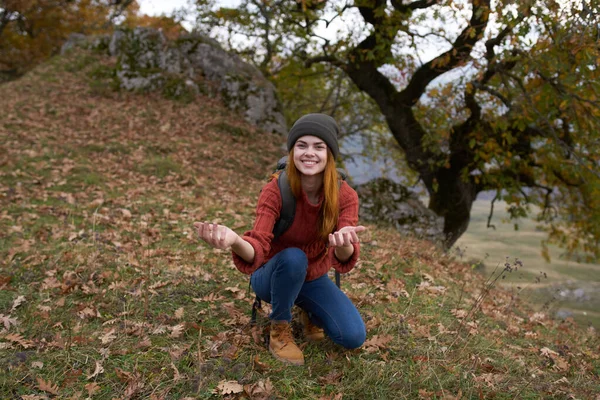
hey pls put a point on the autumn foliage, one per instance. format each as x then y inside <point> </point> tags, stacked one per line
<point>33,30</point>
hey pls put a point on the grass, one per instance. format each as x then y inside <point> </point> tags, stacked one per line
<point>106,293</point>
<point>541,280</point>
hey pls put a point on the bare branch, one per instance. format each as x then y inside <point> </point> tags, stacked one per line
<point>329,59</point>
<point>489,225</point>
<point>493,92</point>
<point>452,58</point>
<point>495,41</point>
<point>419,4</point>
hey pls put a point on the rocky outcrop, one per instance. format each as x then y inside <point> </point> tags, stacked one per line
<point>147,61</point>
<point>384,201</point>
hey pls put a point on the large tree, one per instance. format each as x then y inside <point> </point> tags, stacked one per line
<point>480,95</point>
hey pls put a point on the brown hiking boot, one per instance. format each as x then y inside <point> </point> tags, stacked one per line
<point>282,345</point>
<point>312,333</point>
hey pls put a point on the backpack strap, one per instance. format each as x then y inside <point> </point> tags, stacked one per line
<point>288,206</point>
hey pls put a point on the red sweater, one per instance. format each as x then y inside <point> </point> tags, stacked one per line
<point>303,233</point>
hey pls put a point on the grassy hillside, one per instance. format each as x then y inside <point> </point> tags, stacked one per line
<point>560,285</point>
<point>105,293</point>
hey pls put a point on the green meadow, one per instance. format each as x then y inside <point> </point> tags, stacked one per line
<point>561,287</point>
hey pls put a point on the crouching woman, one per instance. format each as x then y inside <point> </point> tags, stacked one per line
<point>292,268</point>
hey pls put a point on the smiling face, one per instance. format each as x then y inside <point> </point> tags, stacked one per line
<point>310,155</point>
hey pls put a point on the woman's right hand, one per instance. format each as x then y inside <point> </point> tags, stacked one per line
<point>218,236</point>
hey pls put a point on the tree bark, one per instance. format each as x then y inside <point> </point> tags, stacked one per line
<point>453,201</point>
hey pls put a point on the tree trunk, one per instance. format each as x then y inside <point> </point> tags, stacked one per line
<point>453,201</point>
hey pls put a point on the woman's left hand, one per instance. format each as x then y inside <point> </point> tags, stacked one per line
<point>345,236</point>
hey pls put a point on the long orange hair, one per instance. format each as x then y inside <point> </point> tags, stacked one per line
<point>330,210</point>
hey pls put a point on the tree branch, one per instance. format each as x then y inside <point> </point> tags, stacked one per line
<point>493,92</point>
<point>452,58</point>
<point>419,4</point>
<point>368,12</point>
<point>492,210</point>
<point>329,59</point>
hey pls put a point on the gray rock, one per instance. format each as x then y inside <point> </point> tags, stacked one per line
<point>147,61</point>
<point>563,314</point>
<point>74,40</point>
<point>384,201</point>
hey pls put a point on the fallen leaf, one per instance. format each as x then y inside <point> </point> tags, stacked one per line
<point>377,342</point>
<point>547,352</point>
<point>92,388</point>
<point>7,321</point>
<point>47,386</point>
<point>331,378</point>
<point>177,330</point>
<point>229,387</point>
<point>108,337</point>
<point>96,203</point>
<point>260,366</point>
<point>459,313</point>
<point>126,213</point>
<point>179,313</point>
<point>176,374</point>
<point>261,390</point>
<point>99,370</point>
<point>144,344</point>
<point>37,364</point>
<point>562,381</point>
<point>17,302</point>
<point>16,338</point>
<point>425,286</point>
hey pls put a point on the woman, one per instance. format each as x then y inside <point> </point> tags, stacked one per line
<point>292,269</point>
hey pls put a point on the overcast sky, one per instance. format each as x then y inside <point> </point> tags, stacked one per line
<point>157,7</point>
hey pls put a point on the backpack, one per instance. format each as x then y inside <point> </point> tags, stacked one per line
<point>286,217</point>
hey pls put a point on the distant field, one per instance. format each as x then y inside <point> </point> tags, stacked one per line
<point>563,286</point>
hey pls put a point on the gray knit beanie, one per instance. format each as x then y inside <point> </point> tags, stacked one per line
<point>319,125</point>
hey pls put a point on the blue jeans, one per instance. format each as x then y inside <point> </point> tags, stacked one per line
<point>281,282</point>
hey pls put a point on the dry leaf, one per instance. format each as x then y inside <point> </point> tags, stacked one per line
<point>377,342</point>
<point>425,286</point>
<point>92,388</point>
<point>17,302</point>
<point>16,338</point>
<point>145,343</point>
<point>47,386</point>
<point>260,366</point>
<point>459,313</point>
<point>261,390</point>
<point>177,330</point>
<point>126,213</point>
<point>229,387</point>
<point>108,337</point>
<point>7,321</point>
<point>176,374</point>
<point>37,364</point>
<point>179,313</point>
<point>331,378</point>
<point>547,352</point>
<point>99,370</point>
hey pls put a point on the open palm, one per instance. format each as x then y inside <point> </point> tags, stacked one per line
<point>218,236</point>
<point>345,236</point>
